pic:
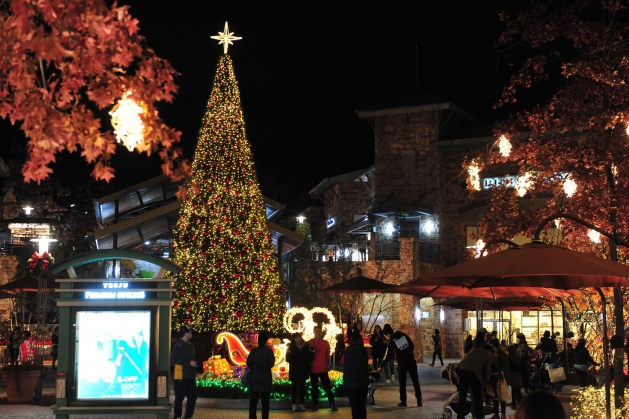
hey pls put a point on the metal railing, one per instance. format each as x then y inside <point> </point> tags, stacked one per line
<point>429,252</point>
<point>387,250</point>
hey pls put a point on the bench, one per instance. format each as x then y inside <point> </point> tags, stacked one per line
<point>162,412</point>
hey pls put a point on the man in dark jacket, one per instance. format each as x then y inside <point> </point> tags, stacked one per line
<point>184,359</point>
<point>401,347</point>
<point>473,372</point>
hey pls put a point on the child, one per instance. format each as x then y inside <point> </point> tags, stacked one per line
<point>373,385</point>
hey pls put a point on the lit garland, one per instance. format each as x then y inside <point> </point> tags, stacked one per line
<point>595,236</point>
<point>127,122</point>
<point>589,403</point>
<point>306,326</point>
<point>569,187</point>
<point>523,184</point>
<point>229,280</point>
<point>505,146</point>
<point>474,176</point>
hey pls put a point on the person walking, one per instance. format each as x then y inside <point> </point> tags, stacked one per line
<point>356,376</point>
<point>436,339</point>
<point>15,341</point>
<point>582,361</point>
<point>401,347</point>
<point>319,369</point>
<point>260,361</point>
<point>377,346</point>
<point>55,346</point>
<point>184,359</point>
<point>299,355</point>
<point>473,372</point>
<point>389,366</point>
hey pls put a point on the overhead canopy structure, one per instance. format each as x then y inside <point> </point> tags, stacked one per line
<point>358,284</point>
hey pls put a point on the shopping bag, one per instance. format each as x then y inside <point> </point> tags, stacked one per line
<point>503,390</point>
<point>556,374</point>
<point>178,372</point>
<point>489,390</point>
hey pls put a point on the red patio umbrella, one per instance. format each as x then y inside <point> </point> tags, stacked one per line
<point>358,284</point>
<point>7,295</point>
<point>423,287</point>
<point>503,304</point>
<point>29,285</point>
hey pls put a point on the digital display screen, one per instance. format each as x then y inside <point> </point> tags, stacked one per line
<point>112,354</point>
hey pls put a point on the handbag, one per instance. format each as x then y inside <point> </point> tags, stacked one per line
<point>556,374</point>
<point>503,390</point>
<point>245,380</point>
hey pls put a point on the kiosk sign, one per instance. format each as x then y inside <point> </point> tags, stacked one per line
<point>112,354</point>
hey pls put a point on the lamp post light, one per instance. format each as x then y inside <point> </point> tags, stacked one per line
<point>27,209</point>
<point>43,243</point>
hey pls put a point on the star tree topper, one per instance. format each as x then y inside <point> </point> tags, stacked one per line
<point>226,37</point>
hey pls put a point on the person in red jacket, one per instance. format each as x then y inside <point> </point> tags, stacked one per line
<point>319,369</point>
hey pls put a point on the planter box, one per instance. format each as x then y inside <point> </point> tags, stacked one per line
<point>20,385</point>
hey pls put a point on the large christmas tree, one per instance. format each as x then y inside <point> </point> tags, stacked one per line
<point>229,279</point>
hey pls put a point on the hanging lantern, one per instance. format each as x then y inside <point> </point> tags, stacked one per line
<point>505,146</point>
<point>127,122</point>
<point>569,187</point>
<point>474,176</point>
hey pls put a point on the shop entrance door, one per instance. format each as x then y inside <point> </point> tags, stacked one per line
<point>502,326</point>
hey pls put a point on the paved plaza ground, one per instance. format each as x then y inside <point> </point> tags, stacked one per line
<point>435,391</point>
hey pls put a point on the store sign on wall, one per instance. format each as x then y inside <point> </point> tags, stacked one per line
<point>493,182</point>
<point>331,222</point>
<point>115,291</point>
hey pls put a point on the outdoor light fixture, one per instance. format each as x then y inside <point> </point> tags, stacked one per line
<point>43,243</point>
<point>430,227</point>
<point>569,187</point>
<point>301,219</point>
<point>442,315</point>
<point>127,122</point>
<point>594,236</point>
<point>505,146</point>
<point>389,229</point>
<point>418,314</point>
<point>27,209</point>
<point>226,37</point>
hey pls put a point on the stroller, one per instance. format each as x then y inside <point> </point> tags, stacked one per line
<point>546,375</point>
<point>451,405</point>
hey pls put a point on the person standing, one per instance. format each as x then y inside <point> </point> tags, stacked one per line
<point>472,372</point>
<point>436,339</point>
<point>469,344</point>
<point>499,372</point>
<point>184,359</point>
<point>260,361</point>
<point>401,346</point>
<point>55,346</point>
<point>356,376</point>
<point>515,375</point>
<point>389,366</point>
<point>582,361</point>
<point>524,353</point>
<point>549,345</point>
<point>377,346</point>
<point>15,341</point>
<point>319,369</point>
<point>298,355</point>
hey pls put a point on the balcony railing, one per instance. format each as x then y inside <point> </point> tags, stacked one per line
<point>429,252</point>
<point>387,250</point>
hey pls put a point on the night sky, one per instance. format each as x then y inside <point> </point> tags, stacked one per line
<point>304,68</point>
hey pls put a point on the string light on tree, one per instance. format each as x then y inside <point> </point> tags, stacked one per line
<point>226,37</point>
<point>523,184</point>
<point>479,246</point>
<point>594,236</point>
<point>127,122</point>
<point>505,146</point>
<point>569,187</point>
<point>474,176</point>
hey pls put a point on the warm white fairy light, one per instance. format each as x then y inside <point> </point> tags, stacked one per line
<point>595,236</point>
<point>569,187</point>
<point>523,184</point>
<point>127,123</point>
<point>504,145</point>
<point>306,326</point>
<point>474,176</point>
<point>479,246</point>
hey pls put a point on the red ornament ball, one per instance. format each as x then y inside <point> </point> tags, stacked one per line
<point>176,303</point>
<point>238,314</point>
<point>187,320</point>
<point>243,296</point>
<point>221,299</point>
<point>269,315</point>
<point>180,291</point>
<point>254,319</point>
<point>265,285</point>
<point>194,296</point>
<point>254,303</point>
<point>192,279</point>
<point>206,300</point>
<point>203,277</point>
<point>213,317</point>
<point>188,307</point>
<point>260,293</point>
<point>227,285</point>
<point>248,285</point>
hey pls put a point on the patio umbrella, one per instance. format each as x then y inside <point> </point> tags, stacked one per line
<point>7,295</point>
<point>503,304</point>
<point>424,287</point>
<point>28,285</point>
<point>358,284</point>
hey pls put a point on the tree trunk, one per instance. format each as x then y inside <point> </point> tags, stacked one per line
<point>619,376</point>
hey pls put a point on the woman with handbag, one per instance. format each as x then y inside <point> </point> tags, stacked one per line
<point>299,355</point>
<point>582,361</point>
<point>260,361</point>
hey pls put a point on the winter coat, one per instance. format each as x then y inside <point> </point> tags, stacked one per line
<point>500,366</point>
<point>469,344</point>
<point>299,361</point>
<point>378,347</point>
<point>260,361</point>
<point>582,357</point>
<point>437,341</point>
<point>356,368</point>
<point>400,347</point>
<point>515,371</point>
<point>182,354</point>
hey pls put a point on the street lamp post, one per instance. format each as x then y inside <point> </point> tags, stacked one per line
<point>618,375</point>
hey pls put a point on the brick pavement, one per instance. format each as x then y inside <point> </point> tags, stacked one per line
<point>435,390</point>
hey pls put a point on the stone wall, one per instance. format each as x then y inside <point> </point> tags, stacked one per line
<point>8,266</point>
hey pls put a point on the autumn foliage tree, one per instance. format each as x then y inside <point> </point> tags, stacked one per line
<point>570,150</point>
<point>63,63</point>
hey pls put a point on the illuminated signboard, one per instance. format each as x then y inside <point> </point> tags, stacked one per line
<point>509,181</point>
<point>112,354</point>
<point>115,291</point>
<point>331,222</point>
